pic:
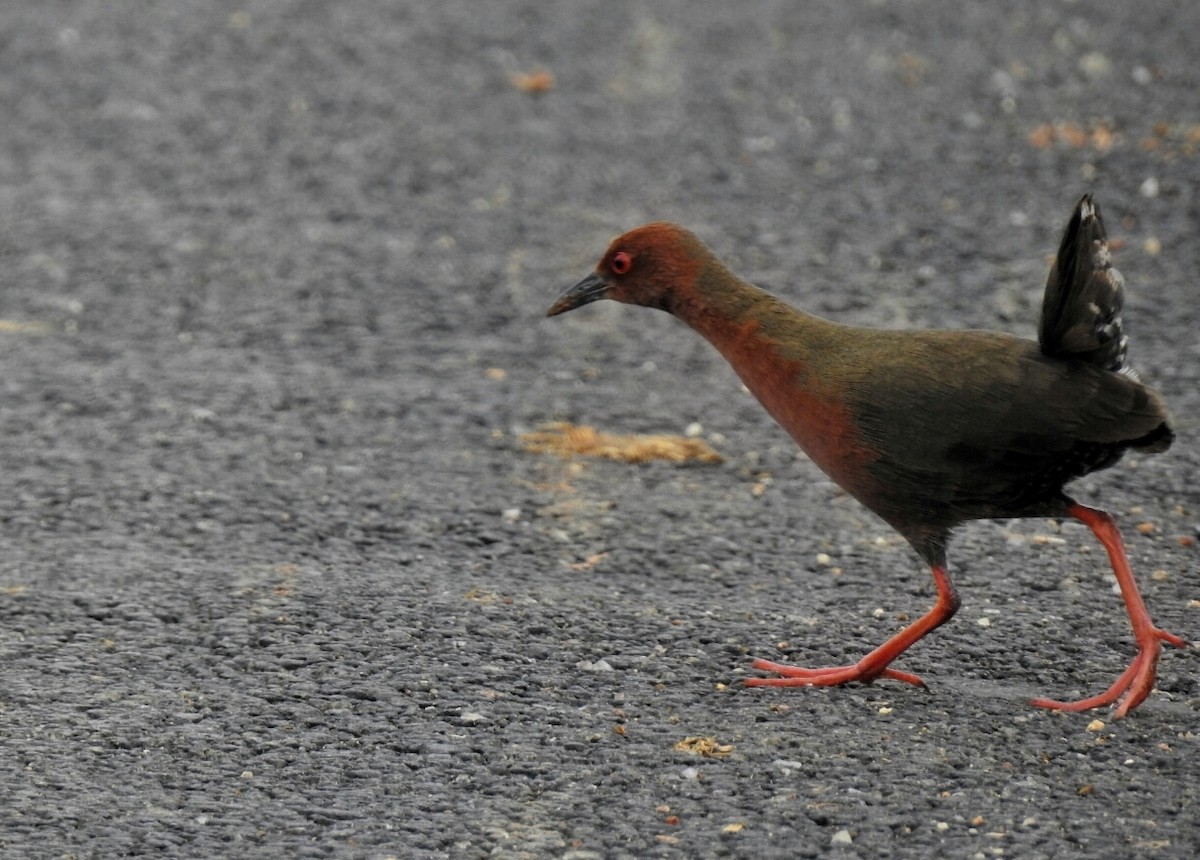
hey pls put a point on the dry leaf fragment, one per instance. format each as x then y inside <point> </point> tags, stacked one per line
<point>589,562</point>
<point>569,440</point>
<point>1042,137</point>
<point>480,595</point>
<point>706,747</point>
<point>537,81</point>
<point>1099,136</point>
<point>1071,134</point>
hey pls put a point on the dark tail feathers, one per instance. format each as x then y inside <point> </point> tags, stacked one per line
<point>1081,312</point>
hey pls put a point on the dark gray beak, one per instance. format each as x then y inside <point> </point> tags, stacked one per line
<point>592,288</point>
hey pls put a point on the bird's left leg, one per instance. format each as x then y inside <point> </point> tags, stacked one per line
<point>1135,683</point>
<point>875,664</point>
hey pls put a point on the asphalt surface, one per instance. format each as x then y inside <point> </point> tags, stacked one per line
<point>277,578</point>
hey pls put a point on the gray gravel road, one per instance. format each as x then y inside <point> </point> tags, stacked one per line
<point>277,579</point>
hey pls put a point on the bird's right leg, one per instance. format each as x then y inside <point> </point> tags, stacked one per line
<point>1136,682</point>
<point>874,665</point>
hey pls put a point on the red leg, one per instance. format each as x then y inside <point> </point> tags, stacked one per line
<point>875,664</point>
<point>1135,683</point>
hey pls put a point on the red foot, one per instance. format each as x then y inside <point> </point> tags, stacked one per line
<point>1136,682</point>
<point>1134,685</point>
<point>796,676</point>
<point>875,664</point>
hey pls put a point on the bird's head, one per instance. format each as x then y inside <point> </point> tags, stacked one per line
<point>650,266</point>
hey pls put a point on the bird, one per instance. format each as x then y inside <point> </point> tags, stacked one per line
<point>929,429</point>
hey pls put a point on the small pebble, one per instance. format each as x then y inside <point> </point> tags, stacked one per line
<point>598,666</point>
<point>1095,65</point>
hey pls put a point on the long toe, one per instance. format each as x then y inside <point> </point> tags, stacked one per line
<point>831,676</point>
<point>1129,690</point>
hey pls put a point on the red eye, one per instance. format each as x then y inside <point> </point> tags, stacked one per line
<point>621,263</point>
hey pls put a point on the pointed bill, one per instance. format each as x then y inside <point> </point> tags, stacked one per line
<point>590,289</point>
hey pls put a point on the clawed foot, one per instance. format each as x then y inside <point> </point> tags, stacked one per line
<point>874,665</point>
<point>796,676</point>
<point>1132,687</point>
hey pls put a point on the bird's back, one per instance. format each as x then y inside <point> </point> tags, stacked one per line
<point>968,425</point>
<point>980,424</point>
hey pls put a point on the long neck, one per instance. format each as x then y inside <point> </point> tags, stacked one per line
<point>756,332</point>
<point>793,362</point>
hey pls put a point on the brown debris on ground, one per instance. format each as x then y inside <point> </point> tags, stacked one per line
<point>706,747</point>
<point>571,440</point>
<point>536,81</point>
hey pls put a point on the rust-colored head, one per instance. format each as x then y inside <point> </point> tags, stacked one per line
<point>646,266</point>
